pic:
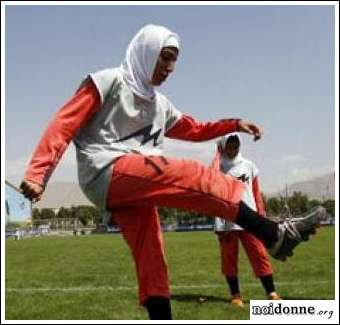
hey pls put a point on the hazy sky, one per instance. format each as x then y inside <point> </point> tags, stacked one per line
<point>273,65</point>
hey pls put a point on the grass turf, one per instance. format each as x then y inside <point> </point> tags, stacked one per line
<point>92,277</point>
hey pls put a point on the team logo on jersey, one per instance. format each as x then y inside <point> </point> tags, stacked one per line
<point>244,178</point>
<point>146,134</point>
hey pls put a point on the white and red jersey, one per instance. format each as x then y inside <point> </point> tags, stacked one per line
<point>125,123</point>
<point>245,171</point>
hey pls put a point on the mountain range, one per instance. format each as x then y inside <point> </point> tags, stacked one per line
<point>320,188</point>
<point>58,194</point>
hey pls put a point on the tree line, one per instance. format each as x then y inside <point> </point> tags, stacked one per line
<point>296,204</point>
<point>85,214</point>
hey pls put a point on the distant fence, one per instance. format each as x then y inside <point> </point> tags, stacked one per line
<point>168,228</point>
<point>114,230</point>
<point>184,228</point>
<point>194,227</point>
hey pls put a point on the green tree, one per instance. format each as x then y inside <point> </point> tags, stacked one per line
<point>96,214</point>
<point>84,214</point>
<point>313,203</point>
<point>298,203</point>
<point>274,206</point>
<point>167,215</point>
<point>47,213</point>
<point>36,216</point>
<point>73,212</point>
<point>64,213</point>
<point>329,205</point>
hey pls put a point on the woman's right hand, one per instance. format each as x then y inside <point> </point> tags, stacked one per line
<point>32,191</point>
<point>250,128</point>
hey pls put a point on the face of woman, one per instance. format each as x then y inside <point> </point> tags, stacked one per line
<point>231,150</point>
<point>165,65</point>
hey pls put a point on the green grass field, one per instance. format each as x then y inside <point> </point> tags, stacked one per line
<point>92,277</point>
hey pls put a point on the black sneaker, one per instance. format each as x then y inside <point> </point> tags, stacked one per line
<point>293,231</point>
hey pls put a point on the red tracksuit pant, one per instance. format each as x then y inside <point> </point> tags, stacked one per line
<point>141,183</point>
<point>255,250</point>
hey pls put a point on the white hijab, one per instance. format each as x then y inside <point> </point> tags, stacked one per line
<point>142,55</point>
<point>225,160</point>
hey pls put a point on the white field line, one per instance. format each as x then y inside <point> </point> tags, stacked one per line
<point>174,287</point>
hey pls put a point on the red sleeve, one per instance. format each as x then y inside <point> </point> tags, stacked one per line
<point>60,131</point>
<point>216,162</point>
<point>260,207</point>
<point>187,128</point>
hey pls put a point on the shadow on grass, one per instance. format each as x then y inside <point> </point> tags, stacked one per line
<point>198,298</point>
<point>204,299</point>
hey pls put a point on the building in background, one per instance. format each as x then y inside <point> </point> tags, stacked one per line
<point>18,208</point>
